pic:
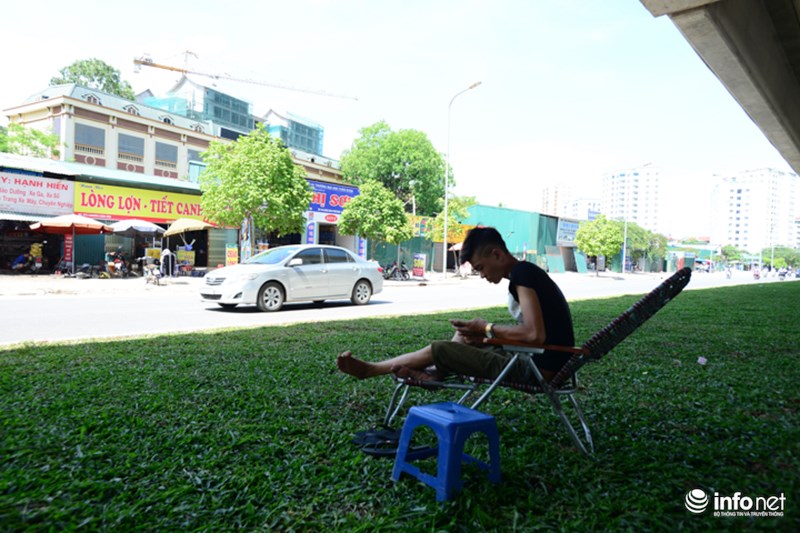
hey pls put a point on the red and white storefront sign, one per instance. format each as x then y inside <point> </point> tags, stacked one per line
<point>69,245</point>
<point>21,193</point>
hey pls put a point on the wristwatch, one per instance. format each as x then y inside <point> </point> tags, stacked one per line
<point>489,332</point>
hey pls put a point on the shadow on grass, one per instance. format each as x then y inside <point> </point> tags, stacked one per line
<point>252,428</point>
<point>289,307</point>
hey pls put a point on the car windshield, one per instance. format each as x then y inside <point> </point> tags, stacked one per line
<point>272,257</point>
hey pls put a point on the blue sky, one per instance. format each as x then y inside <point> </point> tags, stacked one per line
<point>571,89</point>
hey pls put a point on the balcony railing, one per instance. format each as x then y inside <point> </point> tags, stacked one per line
<point>89,149</point>
<point>160,163</point>
<point>132,158</point>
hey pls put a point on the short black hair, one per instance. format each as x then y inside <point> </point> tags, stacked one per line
<point>478,240</point>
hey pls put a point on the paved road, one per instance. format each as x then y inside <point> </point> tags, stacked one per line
<point>45,308</point>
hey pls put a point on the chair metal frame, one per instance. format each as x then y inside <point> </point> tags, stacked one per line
<point>564,384</point>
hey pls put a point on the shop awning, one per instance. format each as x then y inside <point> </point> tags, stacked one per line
<point>23,217</point>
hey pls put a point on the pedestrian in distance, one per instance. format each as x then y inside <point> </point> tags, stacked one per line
<point>21,263</point>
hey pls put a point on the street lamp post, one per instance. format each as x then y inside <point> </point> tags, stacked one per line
<point>624,244</point>
<point>447,174</point>
<point>625,225</point>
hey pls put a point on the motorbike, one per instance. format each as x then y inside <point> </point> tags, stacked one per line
<point>389,271</point>
<point>118,267</point>
<point>397,273</point>
<point>152,273</point>
<point>404,273</point>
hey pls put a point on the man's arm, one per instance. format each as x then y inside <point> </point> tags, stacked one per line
<point>532,329</point>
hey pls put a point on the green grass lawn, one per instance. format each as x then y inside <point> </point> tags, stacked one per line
<point>251,428</point>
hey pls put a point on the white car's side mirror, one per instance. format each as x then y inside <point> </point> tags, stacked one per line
<point>295,262</point>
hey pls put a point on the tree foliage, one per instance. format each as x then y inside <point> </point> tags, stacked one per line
<point>254,177</point>
<point>643,243</point>
<point>599,237</point>
<point>95,74</point>
<point>376,213</point>
<point>457,212</point>
<point>404,161</point>
<point>783,255</point>
<point>17,139</point>
<point>731,253</point>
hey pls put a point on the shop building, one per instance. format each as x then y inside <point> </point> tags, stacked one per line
<point>123,159</point>
<point>545,240</point>
<point>32,189</point>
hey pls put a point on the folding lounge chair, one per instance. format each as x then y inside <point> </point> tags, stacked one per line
<point>565,382</point>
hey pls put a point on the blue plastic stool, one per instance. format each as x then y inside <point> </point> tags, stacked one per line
<point>453,425</point>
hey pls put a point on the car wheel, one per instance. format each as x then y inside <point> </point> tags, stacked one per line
<point>270,297</point>
<point>362,292</point>
<point>227,306</point>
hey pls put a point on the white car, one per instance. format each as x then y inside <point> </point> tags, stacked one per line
<point>294,273</point>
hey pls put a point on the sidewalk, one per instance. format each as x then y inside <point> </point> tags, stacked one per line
<point>47,284</point>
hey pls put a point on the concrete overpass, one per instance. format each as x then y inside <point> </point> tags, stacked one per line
<point>753,47</point>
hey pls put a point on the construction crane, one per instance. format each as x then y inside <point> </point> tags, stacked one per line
<point>146,61</point>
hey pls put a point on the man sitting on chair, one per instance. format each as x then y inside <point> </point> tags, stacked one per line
<point>535,301</point>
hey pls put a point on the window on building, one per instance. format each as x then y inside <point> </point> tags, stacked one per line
<point>131,109</point>
<point>90,140</point>
<point>92,99</point>
<point>131,149</point>
<point>166,155</point>
<point>167,120</point>
<point>194,155</point>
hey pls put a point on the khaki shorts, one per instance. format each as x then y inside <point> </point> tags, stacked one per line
<point>464,359</point>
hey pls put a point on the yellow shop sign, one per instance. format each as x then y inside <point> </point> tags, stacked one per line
<point>108,202</point>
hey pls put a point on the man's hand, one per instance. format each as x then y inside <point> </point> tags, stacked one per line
<point>473,331</point>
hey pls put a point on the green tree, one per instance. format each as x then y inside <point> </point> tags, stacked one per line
<point>254,177</point>
<point>457,211</point>
<point>95,74</point>
<point>377,214</point>
<point>731,253</point>
<point>642,243</point>
<point>17,139</point>
<point>783,255</point>
<point>658,246</point>
<point>404,161</point>
<point>599,237</point>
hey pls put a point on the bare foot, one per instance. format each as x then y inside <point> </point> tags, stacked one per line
<point>355,367</point>
<point>404,372</point>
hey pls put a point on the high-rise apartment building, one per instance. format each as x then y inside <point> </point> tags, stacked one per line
<point>632,194</point>
<point>555,199</point>
<point>583,208</point>
<point>755,210</point>
<point>561,201</point>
